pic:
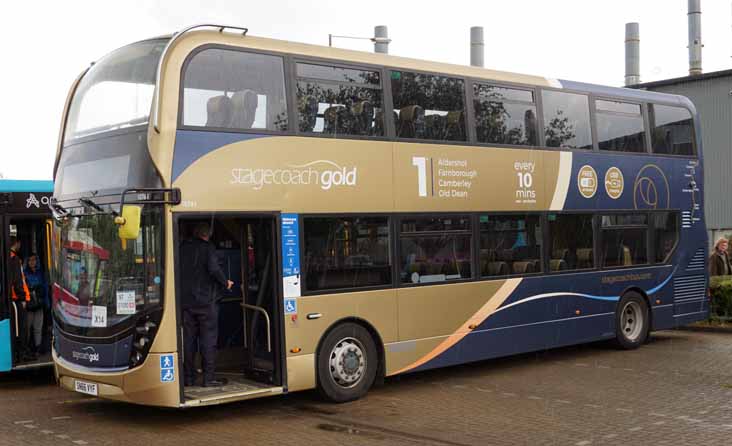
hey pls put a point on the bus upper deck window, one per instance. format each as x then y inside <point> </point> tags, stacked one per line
<point>566,120</point>
<point>673,130</point>
<point>228,89</point>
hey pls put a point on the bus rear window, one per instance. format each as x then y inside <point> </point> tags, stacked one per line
<point>673,130</point>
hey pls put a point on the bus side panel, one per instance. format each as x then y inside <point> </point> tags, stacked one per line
<point>6,355</point>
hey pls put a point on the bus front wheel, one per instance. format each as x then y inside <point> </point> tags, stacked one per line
<point>347,363</point>
<point>632,321</point>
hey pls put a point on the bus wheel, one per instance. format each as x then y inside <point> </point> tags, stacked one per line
<point>347,363</point>
<point>632,321</point>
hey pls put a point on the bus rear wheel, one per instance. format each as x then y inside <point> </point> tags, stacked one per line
<point>632,321</point>
<point>347,363</point>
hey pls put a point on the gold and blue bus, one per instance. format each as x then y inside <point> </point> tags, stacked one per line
<point>379,215</point>
<point>24,216</point>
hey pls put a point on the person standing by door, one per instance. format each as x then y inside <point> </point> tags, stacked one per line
<point>201,280</point>
<point>719,263</point>
<point>21,296</point>
<point>38,304</point>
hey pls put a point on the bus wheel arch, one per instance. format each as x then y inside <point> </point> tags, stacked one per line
<point>361,329</point>
<point>632,319</point>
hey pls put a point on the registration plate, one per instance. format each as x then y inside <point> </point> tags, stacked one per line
<point>87,388</point>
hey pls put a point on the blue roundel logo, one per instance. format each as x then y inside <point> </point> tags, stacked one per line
<point>651,189</point>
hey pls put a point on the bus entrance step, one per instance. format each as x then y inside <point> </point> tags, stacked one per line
<point>237,388</point>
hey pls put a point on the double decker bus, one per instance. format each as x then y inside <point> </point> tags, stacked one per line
<point>378,215</point>
<point>24,216</point>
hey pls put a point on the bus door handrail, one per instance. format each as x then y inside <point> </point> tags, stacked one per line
<point>159,73</point>
<point>17,325</point>
<point>266,318</point>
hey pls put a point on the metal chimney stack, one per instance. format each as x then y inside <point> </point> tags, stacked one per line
<point>381,39</point>
<point>695,41</point>
<point>632,54</point>
<point>476,46</point>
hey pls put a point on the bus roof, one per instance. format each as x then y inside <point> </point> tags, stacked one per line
<point>26,186</point>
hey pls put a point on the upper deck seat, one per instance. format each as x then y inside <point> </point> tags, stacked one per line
<point>244,108</point>
<point>362,114</point>
<point>219,111</point>
<point>411,122</point>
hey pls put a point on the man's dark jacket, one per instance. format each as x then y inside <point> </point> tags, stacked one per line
<point>201,275</point>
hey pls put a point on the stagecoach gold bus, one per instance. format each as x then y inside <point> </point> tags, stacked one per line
<point>379,215</point>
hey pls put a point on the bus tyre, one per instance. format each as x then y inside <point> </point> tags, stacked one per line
<point>632,321</point>
<point>347,363</point>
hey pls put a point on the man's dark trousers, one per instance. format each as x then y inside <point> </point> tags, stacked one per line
<point>201,328</point>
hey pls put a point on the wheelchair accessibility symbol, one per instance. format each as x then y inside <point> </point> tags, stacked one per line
<point>290,306</point>
<point>167,369</point>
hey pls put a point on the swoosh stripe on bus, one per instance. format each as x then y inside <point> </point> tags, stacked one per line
<point>564,175</point>
<point>481,315</point>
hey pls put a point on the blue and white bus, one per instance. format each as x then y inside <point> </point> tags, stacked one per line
<point>24,214</point>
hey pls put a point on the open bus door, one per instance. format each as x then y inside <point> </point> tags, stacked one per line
<point>24,214</point>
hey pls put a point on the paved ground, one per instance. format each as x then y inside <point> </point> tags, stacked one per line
<point>677,390</point>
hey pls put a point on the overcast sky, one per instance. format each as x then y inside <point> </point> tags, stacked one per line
<point>47,43</point>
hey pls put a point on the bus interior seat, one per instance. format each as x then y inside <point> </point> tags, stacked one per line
<point>557,265</point>
<point>244,108</point>
<point>584,258</point>
<point>336,119</point>
<point>362,113</point>
<point>411,122</point>
<point>219,111</point>
<point>496,269</point>
<point>627,256</point>
<point>455,125</point>
<point>523,267</point>
<point>308,113</point>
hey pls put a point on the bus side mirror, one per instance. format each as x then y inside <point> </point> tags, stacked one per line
<point>129,222</point>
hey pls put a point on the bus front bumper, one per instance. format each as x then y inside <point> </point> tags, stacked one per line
<point>142,385</point>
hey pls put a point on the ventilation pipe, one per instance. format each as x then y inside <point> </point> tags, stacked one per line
<point>476,46</point>
<point>695,40</point>
<point>381,39</point>
<point>632,54</point>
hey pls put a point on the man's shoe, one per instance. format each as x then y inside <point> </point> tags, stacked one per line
<point>216,382</point>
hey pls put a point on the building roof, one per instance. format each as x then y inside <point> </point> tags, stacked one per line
<point>680,80</point>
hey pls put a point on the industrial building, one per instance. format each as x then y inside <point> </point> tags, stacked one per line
<point>711,93</point>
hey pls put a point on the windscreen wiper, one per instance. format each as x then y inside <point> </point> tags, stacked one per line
<point>87,202</point>
<point>58,211</point>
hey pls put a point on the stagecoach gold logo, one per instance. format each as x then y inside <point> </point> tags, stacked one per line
<point>587,181</point>
<point>324,173</point>
<point>614,183</point>
<point>88,354</point>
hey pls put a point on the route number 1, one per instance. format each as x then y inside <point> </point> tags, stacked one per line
<point>420,163</point>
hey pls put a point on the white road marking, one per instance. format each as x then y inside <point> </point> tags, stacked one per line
<point>46,432</point>
<point>658,423</point>
<point>29,426</point>
<point>654,414</point>
<point>23,422</point>
<point>484,390</point>
<point>594,406</point>
<point>624,410</point>
<point>635,429</point>
<point>583,443</point>
<point>581,364</point>
<point>65,417</point>
<point>603,366</point>
<point>563,401</point>
<point>81,442</point>
<point>609,436</point>
<point>508,394</point>
<point>63,437</point>
<point>532,397</point>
